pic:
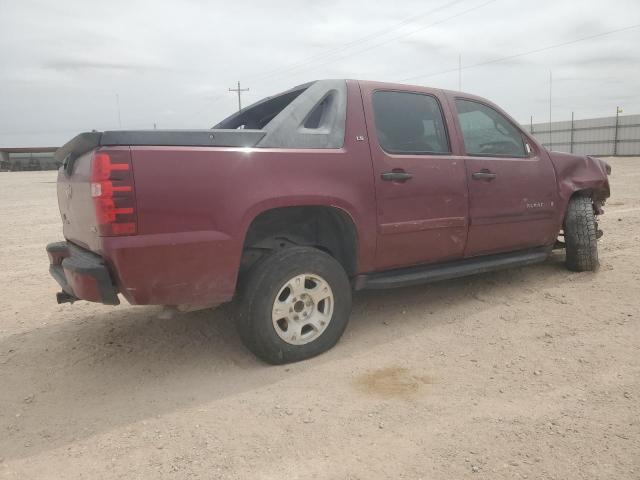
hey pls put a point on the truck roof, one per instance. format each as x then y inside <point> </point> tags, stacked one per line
<point>310,115</point>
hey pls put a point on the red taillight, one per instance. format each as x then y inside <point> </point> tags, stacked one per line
<point>112,192</point>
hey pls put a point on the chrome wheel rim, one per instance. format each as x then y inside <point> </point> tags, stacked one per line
<point>302,309</point>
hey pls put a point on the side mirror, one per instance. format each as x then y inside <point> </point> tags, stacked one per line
<point>528,148</point>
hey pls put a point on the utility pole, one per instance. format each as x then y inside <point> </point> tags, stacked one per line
<point>118,107</point>
<point>531,123</point>
<point>460,72</point>
<point>615,134</point>
<point>239,90</point>
<point>550,92</point>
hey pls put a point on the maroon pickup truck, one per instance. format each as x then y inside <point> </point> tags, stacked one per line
<point>294,202</point>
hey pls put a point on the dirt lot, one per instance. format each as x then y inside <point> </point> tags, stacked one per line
<point>529,373</point>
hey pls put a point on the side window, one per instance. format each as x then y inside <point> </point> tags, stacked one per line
<point>487,132</point>
<point>409,123</point>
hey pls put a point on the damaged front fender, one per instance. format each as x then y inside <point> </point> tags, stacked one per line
<point>581,173</point>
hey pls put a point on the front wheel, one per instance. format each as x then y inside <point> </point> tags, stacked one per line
<point>581,235</point>
<point>294,304</point>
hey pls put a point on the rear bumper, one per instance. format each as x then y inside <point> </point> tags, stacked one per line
<point>82,275</point>
<point>180,268</point>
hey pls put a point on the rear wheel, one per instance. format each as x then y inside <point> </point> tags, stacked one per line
<point>294,304</point>
<point>581,235</point>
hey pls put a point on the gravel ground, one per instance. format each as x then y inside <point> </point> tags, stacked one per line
<point>528,373</point>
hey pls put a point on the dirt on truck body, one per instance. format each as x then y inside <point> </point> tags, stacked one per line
<point>293,202</point>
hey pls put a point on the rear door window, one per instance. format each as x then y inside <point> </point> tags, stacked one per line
<point>487,132</point>
<point>409,123</point>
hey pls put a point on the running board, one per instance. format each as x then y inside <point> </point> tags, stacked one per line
<point>404,277</point>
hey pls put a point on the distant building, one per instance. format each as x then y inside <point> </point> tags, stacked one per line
<point>28,158</point>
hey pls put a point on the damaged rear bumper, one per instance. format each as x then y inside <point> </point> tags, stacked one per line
<point>81,274</point>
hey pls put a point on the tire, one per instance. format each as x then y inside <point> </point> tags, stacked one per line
<point>290,283</point>
<point>580,235</point>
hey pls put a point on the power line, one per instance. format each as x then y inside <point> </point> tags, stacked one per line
<point>433,24</point>
<point>358,41</point>
<point>209,102</point>
<point>397,37</point>
<point>522,54</point>
<point>459,68</point>
<point>329,53</point>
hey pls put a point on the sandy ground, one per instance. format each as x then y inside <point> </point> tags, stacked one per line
<point>529,373</point>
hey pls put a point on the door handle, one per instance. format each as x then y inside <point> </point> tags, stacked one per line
<point>484,174</point>
<point>396,176</point>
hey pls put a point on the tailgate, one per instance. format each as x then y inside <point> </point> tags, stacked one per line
<point>76,205</point>
<point>95,195</point>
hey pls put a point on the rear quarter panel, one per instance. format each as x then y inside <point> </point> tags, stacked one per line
<point>195,205</point>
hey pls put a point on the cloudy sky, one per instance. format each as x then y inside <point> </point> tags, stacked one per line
<point>63,64</point>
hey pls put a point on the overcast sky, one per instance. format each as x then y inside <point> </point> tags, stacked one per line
<point>62,63</point>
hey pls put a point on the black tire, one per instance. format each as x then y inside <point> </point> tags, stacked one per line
<point>258,290</point>
<point>580,235</point>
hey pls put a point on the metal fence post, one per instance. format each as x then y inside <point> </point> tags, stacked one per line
<point>615,133</point>
<point>571,141</point>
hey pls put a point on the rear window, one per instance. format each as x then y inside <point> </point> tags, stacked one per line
<point>409,123</point>
<point>258,115</point>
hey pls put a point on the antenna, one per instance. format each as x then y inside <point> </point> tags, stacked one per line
<point>118,107</point>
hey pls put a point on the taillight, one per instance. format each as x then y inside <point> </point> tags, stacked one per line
<point>112,193</point>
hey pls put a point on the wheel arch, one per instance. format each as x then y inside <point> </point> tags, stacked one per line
<point>597,195</point>
<point>329,227</point>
